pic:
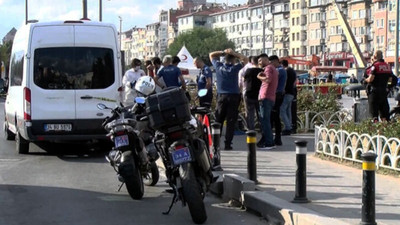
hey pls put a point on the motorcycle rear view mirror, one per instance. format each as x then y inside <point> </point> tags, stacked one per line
<point>140,100</point>
<point>202,92</point>
<point>101,106</point>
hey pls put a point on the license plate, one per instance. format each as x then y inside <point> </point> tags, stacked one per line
<point>121,141</point>
<point>182,155</point>
<point>58,127</point>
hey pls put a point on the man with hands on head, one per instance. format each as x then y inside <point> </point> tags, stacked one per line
<point>228,93</point>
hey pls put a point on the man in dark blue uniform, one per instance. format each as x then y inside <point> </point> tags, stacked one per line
<point>228,89</point>
<point>204,81</point>
<point>171,74</point>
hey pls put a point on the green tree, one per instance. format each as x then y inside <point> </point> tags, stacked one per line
<point>5,53</point>
<point>200,42</point>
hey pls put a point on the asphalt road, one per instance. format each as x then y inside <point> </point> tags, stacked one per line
<point>72,184</point>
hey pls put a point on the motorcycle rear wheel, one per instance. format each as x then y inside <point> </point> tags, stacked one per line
<point>152,176</point>
<point>192,193</point>
<point>132,178</point>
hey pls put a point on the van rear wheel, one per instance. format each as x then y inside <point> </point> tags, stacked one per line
<point>8,135</point>
<point>22,145</point>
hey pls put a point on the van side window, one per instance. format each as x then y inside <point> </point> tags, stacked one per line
<point>16,68</point>
<point>73,68</point>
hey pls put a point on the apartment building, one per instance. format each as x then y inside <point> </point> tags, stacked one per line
<point>244,26</point>
<point>152,39</point>
<point>199,17</point>
<point>296,28</point>
<point>384,14</point>
<point>281,14</point>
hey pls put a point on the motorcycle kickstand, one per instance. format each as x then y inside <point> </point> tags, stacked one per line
<point>120,186</point>
<point>174,200</point>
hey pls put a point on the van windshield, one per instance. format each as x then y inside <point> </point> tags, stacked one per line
<point>73,68</point>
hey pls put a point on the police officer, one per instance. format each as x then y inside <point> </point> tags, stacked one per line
<point>204,81</point>
<point>228,98</point>
<point>379,74</point>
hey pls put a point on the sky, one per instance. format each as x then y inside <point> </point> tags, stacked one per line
<point>133,12</point>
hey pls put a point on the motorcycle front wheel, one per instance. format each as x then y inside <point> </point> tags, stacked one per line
<point>192,193</point>
<point>130,172</point>
<point>152,176</point>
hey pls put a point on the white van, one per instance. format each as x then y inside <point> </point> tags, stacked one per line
<point>59,72</point>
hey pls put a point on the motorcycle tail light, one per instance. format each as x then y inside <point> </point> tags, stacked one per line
<point>119,133</point>
<point>177,147</point>
<point>175,135</point>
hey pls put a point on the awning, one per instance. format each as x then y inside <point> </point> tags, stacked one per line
<point>329,69</point>
<point>390,59</point>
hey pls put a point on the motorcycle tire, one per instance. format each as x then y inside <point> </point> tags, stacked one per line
<point>130,172</point>
<point>192,193</point>
<point>152,176</point>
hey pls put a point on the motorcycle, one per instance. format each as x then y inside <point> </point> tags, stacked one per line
<point>205,116</point>
<point>185,156</point>
<point>134,154</point>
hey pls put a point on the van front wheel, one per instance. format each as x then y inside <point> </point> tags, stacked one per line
<point>22,145</point>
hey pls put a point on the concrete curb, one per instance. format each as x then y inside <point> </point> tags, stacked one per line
<point>234,185</point>
<point>279,211</point>
<point>275,210</point>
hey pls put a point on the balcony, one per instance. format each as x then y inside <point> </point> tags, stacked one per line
<point>286,45</point>
<point>285,30</point>
<point>320,3</point>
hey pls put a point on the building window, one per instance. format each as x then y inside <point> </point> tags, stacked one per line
<point>362,31</point>
<point>355,15</point>
<point>392,25</point>
<point>332,15</point>
<point>362,14</point>
<point>382,5</point>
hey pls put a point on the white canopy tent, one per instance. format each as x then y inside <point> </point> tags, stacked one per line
<point>186,64</point>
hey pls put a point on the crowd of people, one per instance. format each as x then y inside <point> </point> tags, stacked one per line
<point>265,84</point>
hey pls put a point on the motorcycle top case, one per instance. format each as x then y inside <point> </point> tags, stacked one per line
<point>168,108</point>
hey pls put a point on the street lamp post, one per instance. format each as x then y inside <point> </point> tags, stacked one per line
<point>120,33</point>
<point>26,11</point>
<point>263,27</point>
<point>396,53</point>
<point>100,10</point>
<point>84,7</point>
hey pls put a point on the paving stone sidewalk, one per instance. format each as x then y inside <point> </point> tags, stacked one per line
<point>335,190</point>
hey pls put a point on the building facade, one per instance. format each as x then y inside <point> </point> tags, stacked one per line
<point>295,28</point>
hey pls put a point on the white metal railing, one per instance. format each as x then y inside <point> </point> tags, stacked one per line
<point>307,120</point>
<point>349,146</point>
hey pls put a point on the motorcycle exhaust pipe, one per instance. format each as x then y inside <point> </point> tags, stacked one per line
<point>201,155</point>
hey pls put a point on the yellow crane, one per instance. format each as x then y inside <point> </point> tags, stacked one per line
<point>355,48</point>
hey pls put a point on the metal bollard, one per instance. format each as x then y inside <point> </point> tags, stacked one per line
<point>216,135</point>
<point>251,156</point>
<point>301,172</point>
<point>368,189</point>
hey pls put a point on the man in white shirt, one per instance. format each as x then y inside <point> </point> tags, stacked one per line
<point>129,80</point>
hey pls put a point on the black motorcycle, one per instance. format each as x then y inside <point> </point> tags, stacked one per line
<point>185,156</point>
<point>134,154</point>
